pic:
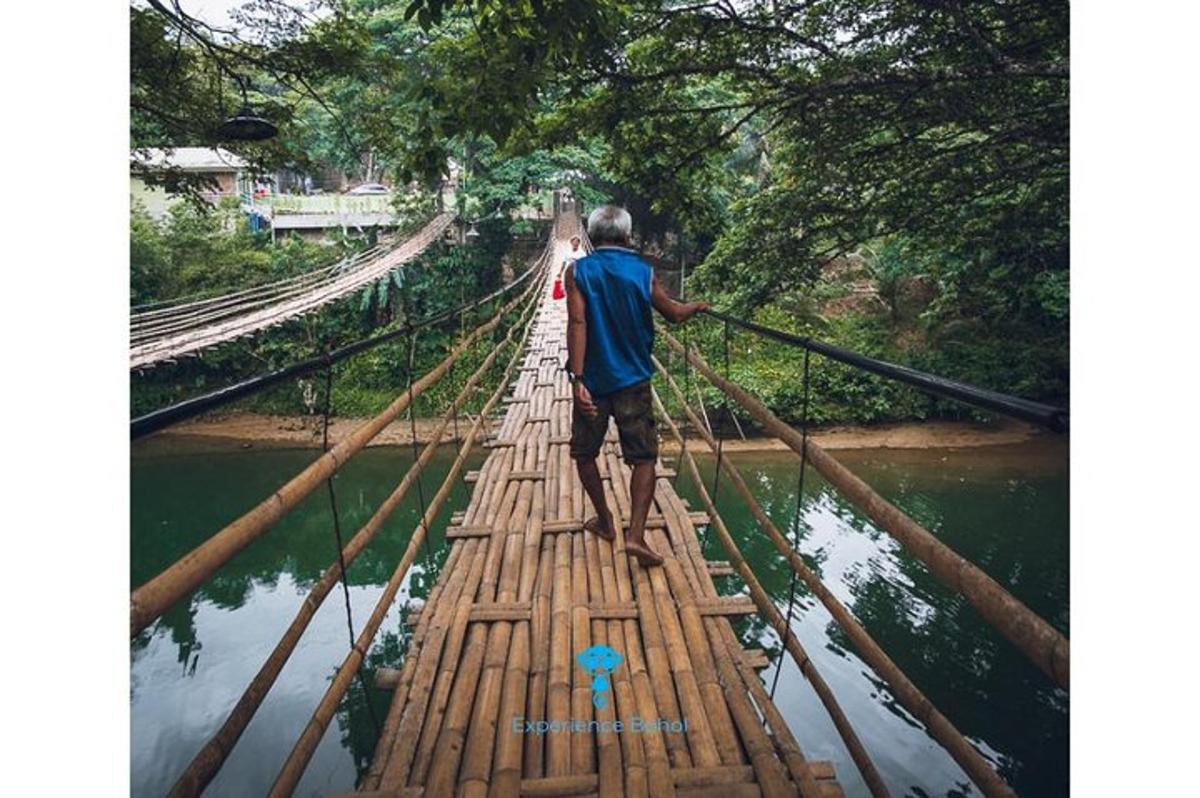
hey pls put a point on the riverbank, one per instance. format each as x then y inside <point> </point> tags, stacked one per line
<point>250,430</point>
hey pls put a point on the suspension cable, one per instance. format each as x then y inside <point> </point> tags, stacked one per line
<point>1054,418</point>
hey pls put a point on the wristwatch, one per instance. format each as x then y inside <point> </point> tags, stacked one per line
<point>572,377</point>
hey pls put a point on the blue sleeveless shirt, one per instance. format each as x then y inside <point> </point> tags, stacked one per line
<point>615,284</point>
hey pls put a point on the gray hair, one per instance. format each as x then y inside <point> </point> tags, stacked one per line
<point>610,224</point>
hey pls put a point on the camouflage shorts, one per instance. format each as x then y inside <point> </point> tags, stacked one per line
<point>632,409</point>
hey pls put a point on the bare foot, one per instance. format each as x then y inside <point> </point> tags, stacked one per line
<point>597,527</point>
<point>646,556</point>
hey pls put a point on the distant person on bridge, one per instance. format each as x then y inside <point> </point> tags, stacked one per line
<point>610,335</point>
<point>559,293</point>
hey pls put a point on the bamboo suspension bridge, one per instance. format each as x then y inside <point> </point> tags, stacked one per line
<point>546,662</point>
<point>159,334</point>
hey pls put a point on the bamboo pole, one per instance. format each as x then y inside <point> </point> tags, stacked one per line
<point>466,741</point>
<point>725,643</point>
<point>602,587</point>
<point>641,639</point>
<point>207,762</point>
<point>1045,646</point>
<point>632,758</point>
<point>293,768</point>
<point>148,602</point>
<point>414,742</point>
<point>506,767</point>
<point>771,613</point>
<point>732,695</point>
<point>383,746</point>
<point>495,499</point>
<point>711,734</point>
<point>539,668</point>
<point>909,695</point>
<point>502,640</point>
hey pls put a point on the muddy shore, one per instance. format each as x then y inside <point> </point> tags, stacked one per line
<point>249,430</point>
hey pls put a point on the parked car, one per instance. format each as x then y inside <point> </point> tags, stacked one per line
<point>370,188</point>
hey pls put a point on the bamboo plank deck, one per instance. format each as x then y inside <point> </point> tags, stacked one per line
<point>525,589</point>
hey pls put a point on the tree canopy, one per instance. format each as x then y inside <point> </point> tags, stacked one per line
<point>762,138</point>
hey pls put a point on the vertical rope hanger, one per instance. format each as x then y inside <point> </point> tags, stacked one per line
<point>798,520</point>
<point>337,534</point>
<point>687,371</point>
<point>462,328</point>
<point>720,435</point>
<point>412,421</point>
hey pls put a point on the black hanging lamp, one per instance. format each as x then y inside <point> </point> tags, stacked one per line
<point>246,125</point>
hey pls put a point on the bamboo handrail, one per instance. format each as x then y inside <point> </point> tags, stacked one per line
<point>292,770</point>
<point>208,761</point>
<point>909,695</point>
<point>1045,646</point>
<point>148,602</point>
<point>774,617</point>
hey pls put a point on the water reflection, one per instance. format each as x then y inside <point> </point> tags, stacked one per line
<point>189,668</point>
<point>1008,514</point>
<point>1002,509</point>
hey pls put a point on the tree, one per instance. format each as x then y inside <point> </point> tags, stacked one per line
<point>943,120</point>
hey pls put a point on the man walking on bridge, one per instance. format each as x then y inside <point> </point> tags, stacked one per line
<point>610,335</point>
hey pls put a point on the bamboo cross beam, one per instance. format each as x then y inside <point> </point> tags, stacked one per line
<point>909,695</point>
<point>148,602</point>
<point>1045,646</point>
<point>771,613</point>
<point>208,761</point>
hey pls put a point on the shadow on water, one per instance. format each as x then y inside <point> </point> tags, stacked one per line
<point>1004,508</point>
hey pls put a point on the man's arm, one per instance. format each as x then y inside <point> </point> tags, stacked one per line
<point>672,311</point>
<point>577,340</point>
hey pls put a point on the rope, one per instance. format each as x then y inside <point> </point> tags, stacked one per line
<point>337,534</point>
<point>721,434</point>
<point>798,522</point>
<point>412,420</point>
<point>687,378</point>
<point>1054,418</point>
<point>462,326</point>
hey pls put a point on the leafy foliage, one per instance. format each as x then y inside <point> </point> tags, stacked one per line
<point>756,142</point>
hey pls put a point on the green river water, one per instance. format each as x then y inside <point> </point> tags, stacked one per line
<point>1004,508</point>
